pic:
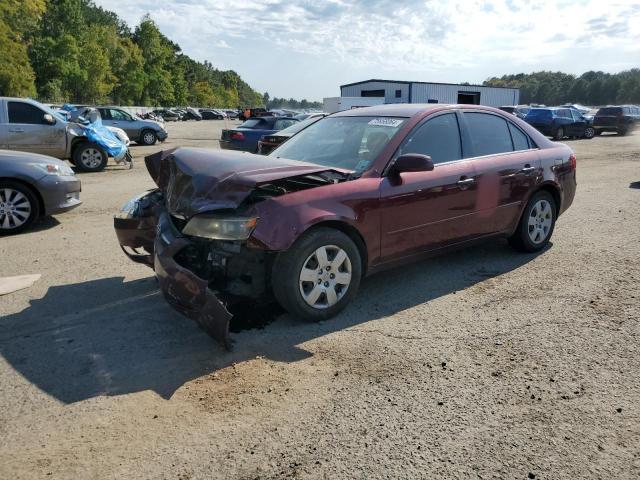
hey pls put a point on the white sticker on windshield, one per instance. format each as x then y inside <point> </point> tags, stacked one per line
<point>386,122</point>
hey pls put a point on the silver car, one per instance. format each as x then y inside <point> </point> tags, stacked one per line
<point>146,132</point>
<point>33,186</point>
<point>29,126</point>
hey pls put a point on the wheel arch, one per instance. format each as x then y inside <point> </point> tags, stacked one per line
<point>350,231</point>
<point>554,190</point>
<point>31,187</point>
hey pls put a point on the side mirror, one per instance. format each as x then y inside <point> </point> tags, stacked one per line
<point>412,162</point>
<point>48,119</point>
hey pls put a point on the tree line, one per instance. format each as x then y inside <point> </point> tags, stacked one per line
<point>74,51</point>
<point>277,103</point>
<point>590,88</point>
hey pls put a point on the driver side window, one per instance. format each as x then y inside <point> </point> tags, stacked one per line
<point>25,113</point>
<point>119,115</point>
<point>439,138</point>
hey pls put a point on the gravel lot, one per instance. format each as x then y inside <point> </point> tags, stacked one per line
<point>479,364</point>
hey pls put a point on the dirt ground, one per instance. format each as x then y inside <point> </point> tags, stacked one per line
<point>484,363</point>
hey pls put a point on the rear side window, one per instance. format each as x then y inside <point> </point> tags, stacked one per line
<point>520,140</point>
<point>539,114</point>
<point>609,111</point>
<point>489,134</point>
<point>20,112</point>
<point>283,123</point>
<point>439,138</point>
<point>253,123</point>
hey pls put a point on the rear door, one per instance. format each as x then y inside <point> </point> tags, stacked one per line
<point>4,143</point>
<point>507,165</point>
<point>423,211</point>
<point>29,132</point>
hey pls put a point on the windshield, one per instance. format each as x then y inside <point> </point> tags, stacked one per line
<point>349,143</point>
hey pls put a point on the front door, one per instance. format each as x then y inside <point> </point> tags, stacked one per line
<point>29,132</point>
<point>422,211</point>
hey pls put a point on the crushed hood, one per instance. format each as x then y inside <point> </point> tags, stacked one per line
<point>197,180</point>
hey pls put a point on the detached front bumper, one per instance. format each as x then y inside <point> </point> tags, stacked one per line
<point>147,235</point>
<point>184,291</point>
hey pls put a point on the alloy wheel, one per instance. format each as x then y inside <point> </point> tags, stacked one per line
<point>148,138</point>
<point>15,209</point>
<point>540,221</point>
<point>325,276</point>
<point>91,158</point>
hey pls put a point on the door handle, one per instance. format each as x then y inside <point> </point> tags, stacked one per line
<point>466,182</point>
<point>528,169</point>
<point>16,130</point>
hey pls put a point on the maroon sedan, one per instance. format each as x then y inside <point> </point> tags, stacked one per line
<point>355,193</point>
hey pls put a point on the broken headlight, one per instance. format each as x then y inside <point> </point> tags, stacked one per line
<point>220,227</point>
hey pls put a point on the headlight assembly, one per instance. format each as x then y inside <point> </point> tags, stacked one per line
<point>218,227</point>
<point>54,169</point>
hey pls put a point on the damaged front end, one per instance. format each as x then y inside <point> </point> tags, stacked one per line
<point>195,229</point>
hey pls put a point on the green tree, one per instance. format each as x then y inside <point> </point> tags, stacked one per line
<point>17,19</point>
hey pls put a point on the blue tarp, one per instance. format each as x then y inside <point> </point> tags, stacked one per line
<point>96,132</point>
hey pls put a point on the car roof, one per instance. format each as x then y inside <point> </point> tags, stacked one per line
<point>390,110</point>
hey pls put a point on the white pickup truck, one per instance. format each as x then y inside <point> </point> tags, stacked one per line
<point>29,126</point>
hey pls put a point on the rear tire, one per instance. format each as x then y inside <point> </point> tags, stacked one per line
<point>19,207</point>
<point>89,157</point>
<point>315,285</point>
<point>536,224</point>
<point>559,134</point>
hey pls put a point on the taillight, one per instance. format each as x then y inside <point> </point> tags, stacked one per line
<point>572,161</point>
<point>237,136</point>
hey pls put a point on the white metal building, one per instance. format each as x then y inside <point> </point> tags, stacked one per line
<point>395,91</point>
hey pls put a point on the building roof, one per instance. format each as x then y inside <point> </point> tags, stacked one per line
<point>391,110</point>
<point>423,83</point>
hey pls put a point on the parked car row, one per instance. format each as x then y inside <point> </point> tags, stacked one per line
<point>577,121</point>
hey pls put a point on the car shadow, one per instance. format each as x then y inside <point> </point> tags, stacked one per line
<point>110,337</point>
<point>634,184</point>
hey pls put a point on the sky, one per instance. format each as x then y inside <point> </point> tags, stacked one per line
<point>307,49</point>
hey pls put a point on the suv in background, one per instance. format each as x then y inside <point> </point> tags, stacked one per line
<point>616,119</point>
<point>146,132</point>
<point>560,122</point>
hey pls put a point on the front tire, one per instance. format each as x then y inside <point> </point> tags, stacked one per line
<point>536,224</point>
<point>89,157</point>
<point>19,207</point>
<point>589,133</point>
<point>148,137</point>
<point>319,275</point>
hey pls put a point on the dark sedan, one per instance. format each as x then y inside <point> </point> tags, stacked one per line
<point>353,194</point>
<point>245,137</point>
<point>33,186</point>
<point>270,142</point>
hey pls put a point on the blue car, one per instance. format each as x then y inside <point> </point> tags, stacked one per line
<point>245,137</point>
<point>560,122</point>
